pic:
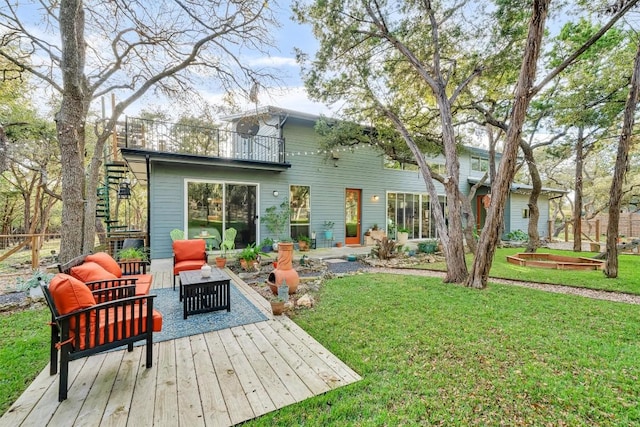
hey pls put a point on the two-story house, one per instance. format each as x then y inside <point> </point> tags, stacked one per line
<point>206,180</point>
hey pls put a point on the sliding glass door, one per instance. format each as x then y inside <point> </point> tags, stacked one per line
<point>215,206</point>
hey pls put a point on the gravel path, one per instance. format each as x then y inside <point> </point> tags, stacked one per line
<point>559,289</point>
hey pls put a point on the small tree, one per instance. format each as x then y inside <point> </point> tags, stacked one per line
<point>276,218</point>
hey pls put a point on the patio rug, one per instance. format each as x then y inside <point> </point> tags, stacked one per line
<point>174,326</point>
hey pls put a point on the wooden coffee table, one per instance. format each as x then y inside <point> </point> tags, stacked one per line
<point>204,294</point>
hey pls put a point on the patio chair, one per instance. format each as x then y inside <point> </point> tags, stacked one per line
<point>176,234</point>
<point>80,326</point>
<point>229,242</point>
<point>188,254</point>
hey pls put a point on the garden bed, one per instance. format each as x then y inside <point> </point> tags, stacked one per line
<point>558,262</point>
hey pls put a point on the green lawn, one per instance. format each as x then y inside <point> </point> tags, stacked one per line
<point>24,351</point>
<point>435,354</point>
<point>431,353</point>
<point>628,279</point>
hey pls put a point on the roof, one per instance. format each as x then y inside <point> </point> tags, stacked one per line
<point>519,187</point>
<point>276,111</point>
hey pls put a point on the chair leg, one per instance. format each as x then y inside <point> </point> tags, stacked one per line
<point>149,346</point>
<point>53,356</point>
<point>174,282</point>
<point>64,373</point>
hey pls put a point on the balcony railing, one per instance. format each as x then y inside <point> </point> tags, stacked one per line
<point>200,141</point>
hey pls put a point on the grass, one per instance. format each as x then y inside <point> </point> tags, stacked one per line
<point>24,351</point>
<point>435,354</point>
<point>431,353</point>
<point>628,279</point>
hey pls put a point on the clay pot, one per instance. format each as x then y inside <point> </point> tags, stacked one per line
<point>221,262</point>
<point>277,307</point>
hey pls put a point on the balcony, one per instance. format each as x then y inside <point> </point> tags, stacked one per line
<point>207,142</point>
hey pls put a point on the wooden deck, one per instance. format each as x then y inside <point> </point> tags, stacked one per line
<point>220,378</point>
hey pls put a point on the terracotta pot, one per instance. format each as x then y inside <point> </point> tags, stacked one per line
<point>303,246</point>
<point>221,262</point>
<point>277,307</point>
<point>338,244</point>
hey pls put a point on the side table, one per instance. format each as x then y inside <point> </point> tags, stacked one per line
<point>204,294</point>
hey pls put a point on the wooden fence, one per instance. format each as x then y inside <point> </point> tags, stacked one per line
<point>20,249</point>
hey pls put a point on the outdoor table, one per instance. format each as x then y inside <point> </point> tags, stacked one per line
<point>204,294</point>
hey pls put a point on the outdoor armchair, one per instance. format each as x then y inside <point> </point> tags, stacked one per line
<point>82,326</point>
<point>188,255</point>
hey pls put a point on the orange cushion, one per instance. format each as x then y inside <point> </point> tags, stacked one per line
<point>70,294</point>
<point>90,272</point>
<point>187,265</point>
<point>105,261</point>
<point>143,284</point>
<point>193,249</point>
<point>114,325</point>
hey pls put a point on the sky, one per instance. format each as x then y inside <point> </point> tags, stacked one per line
<point>292,95</point>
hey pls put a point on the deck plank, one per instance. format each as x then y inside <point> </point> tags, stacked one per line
<point>238,406</point>
<point>102,383</point>
<point>166,399</point>
<point>241,357</point>
<point>220,378</point>
<point>119,405</point>
<point>297,389</point>
<point>67,411</point>
<point>190,413</point>
<point>145,385</point>
<point>213,407</point>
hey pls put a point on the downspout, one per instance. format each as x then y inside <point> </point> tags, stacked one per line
<point>147,161</point>
<point>282,121</point>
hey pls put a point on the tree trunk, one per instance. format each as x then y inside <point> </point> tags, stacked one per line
<point>454,249</point>
<point>501,187</point>
<point>622,164</point>
<point>577,203</point>
<point>70,121</point>
<point>534,212</point>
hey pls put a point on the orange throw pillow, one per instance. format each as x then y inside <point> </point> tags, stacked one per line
<point>90,272</point>
<point>192,250</point>
<point>105,261</point>
<point>70,294</point>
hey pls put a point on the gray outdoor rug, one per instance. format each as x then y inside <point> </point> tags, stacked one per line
<point>174,326</point>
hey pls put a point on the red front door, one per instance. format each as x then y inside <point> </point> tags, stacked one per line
<point>352,216</point>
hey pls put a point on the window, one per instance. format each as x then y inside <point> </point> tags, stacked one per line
<point>300,204</point>
<point>437,168</point>
<point>413,212</point>
<point>390,163</point>
<point>480,164</point>
<point>525,213</point>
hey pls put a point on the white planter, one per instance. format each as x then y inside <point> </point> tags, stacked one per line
<point>403,237</point>
<point>36,293</point>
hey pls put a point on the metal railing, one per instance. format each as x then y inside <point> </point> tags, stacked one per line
<point>201,141</point>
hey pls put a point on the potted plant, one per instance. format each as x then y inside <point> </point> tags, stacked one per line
<point>249,256</point>
<point>328,229</point>
<point>132,254</point>
<point>221,260</point>
<point>266,245</point>
<point>402,235</point>
<point>32,284</point>
<point>304,243</point>
<point>277,305</point>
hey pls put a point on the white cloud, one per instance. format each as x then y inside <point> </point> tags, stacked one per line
<point>273,61</point>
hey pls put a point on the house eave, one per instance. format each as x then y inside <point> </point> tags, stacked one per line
<point>137,160</point>
<point>520,188</point>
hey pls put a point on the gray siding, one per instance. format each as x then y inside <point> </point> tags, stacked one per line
<point>328,179</point>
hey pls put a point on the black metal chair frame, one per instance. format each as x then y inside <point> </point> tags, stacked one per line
<point>121,297</point>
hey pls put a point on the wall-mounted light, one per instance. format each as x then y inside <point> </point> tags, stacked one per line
<point>375,198</point>
<point>275,193</point>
